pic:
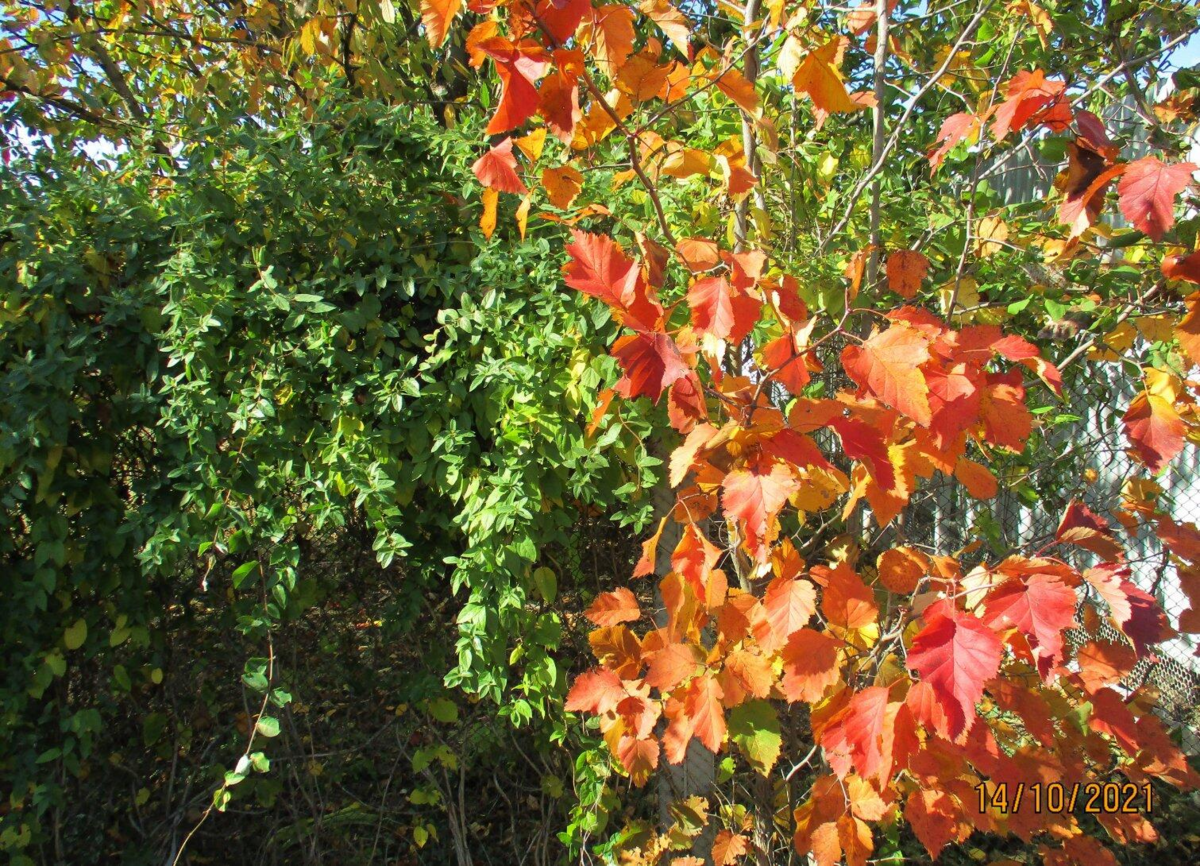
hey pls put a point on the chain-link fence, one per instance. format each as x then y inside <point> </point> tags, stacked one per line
<point>1082,455</point>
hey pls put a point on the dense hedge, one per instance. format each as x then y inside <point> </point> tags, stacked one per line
<point>283,406</point>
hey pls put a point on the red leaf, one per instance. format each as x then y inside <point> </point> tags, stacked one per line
<point>754,496</point>
<point>855,738</point>
<point>651,362</point>
<point>955,128</point>
<point>886,365</point>
<point>1040,607</point>
<point>783,362</point>
<point>1147,193</point>
<point>809,665</point>
<point>558,99</point>
<point>611,608</point>
<point>1183,268</point>
<point>600,268</point>
<point>694,557</point>
<point>720,310</point>
<point>518,66</point>
<point>497,169</point>
<point>1032,99</point>
<point>436,15</point>
<point>955,654</point>
<point>864,443</point>
<point>1082,526</point>
<point>596,691</point>
<point>1155,429</point>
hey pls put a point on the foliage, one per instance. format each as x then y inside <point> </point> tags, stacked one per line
<point>293,349</point>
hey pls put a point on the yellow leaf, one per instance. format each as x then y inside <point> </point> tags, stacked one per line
<point>487,222</point>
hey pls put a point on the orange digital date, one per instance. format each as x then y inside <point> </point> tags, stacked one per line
<point>1093,798</point>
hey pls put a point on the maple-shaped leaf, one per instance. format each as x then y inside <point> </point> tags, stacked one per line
<point>809,665</point>
<point>671,665</point>
<point>497,169</point>
<point>887,365</point>
<point>651,363</point>
<point>1155,430</point>
<point>1084,527</point>
<point>1040,607</point>
<point>933,815</point>
<point>638,757</point>
<point>746,674</point>
<point>818,76</point>
<point>955,654</point>
<point>754,729</point>
<point>754,496</point>
<point>611,608</point>
<point>1147,193</point>
<point>597,691</point>
<point>900,569</point>
<point>436,15</point>
<point>728,848</point>
<point>855,738</point>
<point>705,712</point>
<point>906,270</point>
<point>790,603</point>
<point>955,128</point>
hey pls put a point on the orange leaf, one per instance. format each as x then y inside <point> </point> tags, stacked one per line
<point>1187,332</point>
<point>436,15</point>
<point>671,665</point>
<point>698,254</point>
<point>887,365</point>
<point>651,363</point>
<point>670,20</point>
<point>906,270</point>
<point>611,608</point>
<point>1104,664</point>
<point>487,221</point>
<point>754,496</point>
<point>818,76</point>
<point>978,479</point>
<point>638,757</point>
<point>740,91</point>
<point>612,37</point>
<point>705,712</point>
<point>855,738</point>
<point>1155,429</point>
<point>933,815</point>
<point>809,665</point>
<point>790,603</point>
<point>901,569</point>
<point>596,691</point>
<point>728,849</point>
<point>562,185</point>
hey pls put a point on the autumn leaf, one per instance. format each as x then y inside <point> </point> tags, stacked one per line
<point>809,665</point>
<point>719,310</point>
<point>651,363</point>
<point>436,15</point>
<point>611,608</point>
<point>638,757</point>
<point>1040,607</point>
<point>855,738</point>
<point>671,665</point>
<point>933,816</point>
<point>754,496</point>
<point>600,268</point>
<point>740,91</point>
<point>597,691</point>
<point>612,37</point>
<point>901,569</point>
<point>670,20</point>
<point>519,67</point>
<point>1155,430</point>
<point>906,271</point>
<point>955,654</point>
<point>1183,268</point>
<point>487,220</point>
<point>955,129</point>
<point>705,712</point>
<point>1147,193</point>
<point>887,365</point>
<point>562,185</point>
<point>698,254</point>
<point>818,76</point>
<point>728,849</point>
<point>1104,664</point>
<point>790,603</point>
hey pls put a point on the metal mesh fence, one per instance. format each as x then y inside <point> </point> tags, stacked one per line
<point>1085,458</point>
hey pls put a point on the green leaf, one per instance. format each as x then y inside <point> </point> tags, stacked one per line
<point>74,636</point>
<point>546,582</point>
<point>754,727</point>
<point>268,726</point>
<point>443,709</point>
<point>240,573</point>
